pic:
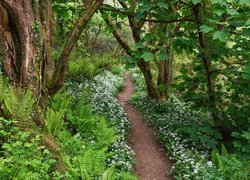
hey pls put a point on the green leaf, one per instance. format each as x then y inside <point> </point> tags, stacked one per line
<point>196,1</point>
<point>217,1</point>
<point>206,29</point>
<point>220,35</point>
<point>244,2</point>
<point>223,150</point>
<point>139,45</point>
<point>147,56</point>
<point>162,5</point>
<point>125,58</point>
<point>232,11</point>
<point>248,22</point>
<point>148,37</point>
<point>246,134</point>
<point>219,11</point>
<point>162,56</point>
<point>214,156</point>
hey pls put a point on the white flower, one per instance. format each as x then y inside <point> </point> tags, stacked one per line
<point>209,164</point>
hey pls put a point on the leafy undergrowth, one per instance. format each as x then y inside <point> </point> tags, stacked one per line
<point>190,139</point>
<point>72,138</point>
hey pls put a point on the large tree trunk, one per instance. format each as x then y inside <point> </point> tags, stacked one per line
<point>165,76</point>
<point>17,36</point>
<point>23,64</point>
<point>152,90</point>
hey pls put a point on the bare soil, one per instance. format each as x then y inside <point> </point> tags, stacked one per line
<point>151,160</point>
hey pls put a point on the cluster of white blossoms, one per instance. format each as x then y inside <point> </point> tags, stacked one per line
<point>190,157</point>
<point>104,89</point>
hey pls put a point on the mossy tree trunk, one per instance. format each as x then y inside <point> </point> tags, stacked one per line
<point>26,32</point>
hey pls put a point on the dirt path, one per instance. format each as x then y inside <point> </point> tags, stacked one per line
<point>151,161</point>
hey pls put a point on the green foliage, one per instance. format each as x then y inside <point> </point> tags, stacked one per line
<point>91,166</point>
<point>230,166</point>
<point>88,67</point>
<point>72,142</point>
<point>202,133</point>
<point>117,69</point>
<point>53,121</point>
<point>23,157</point>
<point>16,103</point>
<point>242,143</point>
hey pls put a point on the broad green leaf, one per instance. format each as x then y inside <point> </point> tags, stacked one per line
<point>147,56</point>
<point>217,1</point>
<point>246,134</point>
<point>162,56</point>
<point>220,35</point>
<point>223,150</point>
<point>248,22</point>
<point>232,11</point>
<point>148,37</point>
<point>139,45</point>
<point>125,58</point>
<point>214,21</point>
<point>219,11</point>
<point>244,2</point>
<point>196,1</point>
<point>214,156</point>
<point>163,5</point>
<point>206,29</point>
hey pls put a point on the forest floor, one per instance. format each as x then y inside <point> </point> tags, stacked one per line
<point>150,158</point>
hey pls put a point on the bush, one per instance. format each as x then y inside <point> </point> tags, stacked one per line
<point>88,67</point>
<point>72,141</point>
<point>189,137</point>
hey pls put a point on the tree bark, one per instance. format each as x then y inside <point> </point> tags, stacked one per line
<point>17,36</point>
<point>23,64</point>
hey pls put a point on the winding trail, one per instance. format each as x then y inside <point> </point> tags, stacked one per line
<point>151,161</point>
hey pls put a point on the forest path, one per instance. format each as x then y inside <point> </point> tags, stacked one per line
<point>151,161</point>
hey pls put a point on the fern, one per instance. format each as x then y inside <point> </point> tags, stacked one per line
<point>10,101</point>
<point>61,102</point>
<point>92,164</point>
<point>105,135</point>
<point>25,106</point>
<point>53,121</point>
<point>108,174</point>
<point>126,176</point>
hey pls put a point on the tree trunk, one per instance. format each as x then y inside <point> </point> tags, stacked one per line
<point>152,90</point>
<point>23,64</point>
<point>206,59</point>
<point>17,36</point>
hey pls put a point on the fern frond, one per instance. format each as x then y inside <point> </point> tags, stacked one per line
<point>126,176</point>
<point>93,162</point>
<point>108,174</point>
<point>10,100</point>
<point>53,121</point>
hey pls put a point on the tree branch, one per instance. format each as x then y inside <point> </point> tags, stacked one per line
<point>107,7</point>
<point>71,42</point>
<point>122,42</point>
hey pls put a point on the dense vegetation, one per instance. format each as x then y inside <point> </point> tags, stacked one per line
<point>62,65</point>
